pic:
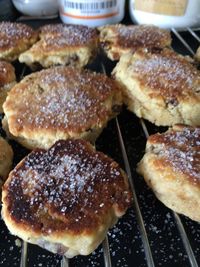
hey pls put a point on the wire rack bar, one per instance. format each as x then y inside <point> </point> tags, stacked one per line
<point>193,34</point>
<point>106,253</point>
<point>105,244</point>
<point>64,262</point>
<point>179,224</point>
<point>183,41</point>
<point>23,262</point>
<point>188,248</point>
<point>196,29</point>
<point>21,76</point>
<point>147,249</point>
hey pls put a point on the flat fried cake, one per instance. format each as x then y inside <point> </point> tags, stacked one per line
<point>66,198</point>
<point>15,38</point>
<point>160,86</point>
<point>171,167</point>
<point>119,39</point>
<point>62,44</point>
<point>60,103</point>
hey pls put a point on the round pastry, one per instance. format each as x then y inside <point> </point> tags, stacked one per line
<point>197,56</point>
<point>15,38</point>
<point>7,81</point>
<point>171,167</point>
<point>62,44</point>
<point>60,103</point>
<point>66,198</point>
<point>6,157</point>
<point>160,86</point>
<point>119,39</point>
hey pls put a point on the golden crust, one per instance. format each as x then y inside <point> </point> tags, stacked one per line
<point>7,80</point>
<point>6,157</point>
<point>161,86</point>
<point>197,56</point>
<point>171,167</point>
<point>119,39</point>
<point>15,38</point>
<point>69,190</point>
<point>7,73</point>
<point>60,103</point>
<point>62,44</point>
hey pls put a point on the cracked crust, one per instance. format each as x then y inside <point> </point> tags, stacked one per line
<point>62,44</point>
<point>119,39</point>
<point>160,86</point>
<point>60,103</point>
<point>171,167</point>
<point>66,198</point>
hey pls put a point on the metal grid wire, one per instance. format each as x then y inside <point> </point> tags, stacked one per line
<point>143,234</point>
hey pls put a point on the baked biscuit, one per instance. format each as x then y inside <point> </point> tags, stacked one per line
<point>160,86</point>
<point>62,44</point>
<point>197,56</point>
<point>6,157</point>
<point>15,38</point>
<point>171,167</point>
<point>119,39</point>
<point>66,198</point>
<point>7,80</point>
<point>60,103</point>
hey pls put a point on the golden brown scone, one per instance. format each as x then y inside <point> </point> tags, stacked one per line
<point>7,80</point>
<point>160,86</point>
<point>60,103</point>
<point>15,38</point>
<point>171,167</point>
<point>66,198</point>
<point>62,44</point>
<point>197,56</point>
<point>6,157</point>
<point>119,39</point>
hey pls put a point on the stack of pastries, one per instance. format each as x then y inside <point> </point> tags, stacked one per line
<point>64,195</point>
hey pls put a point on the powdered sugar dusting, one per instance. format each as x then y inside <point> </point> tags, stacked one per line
<point>67,35</point>
<point>181,149</point>
<point>12,33</point>
<point>167,73</point>
<point>142,36</point>
<point>70,182</point>
<point>63,98</point>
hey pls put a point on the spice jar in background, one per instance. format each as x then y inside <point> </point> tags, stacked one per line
<point>91,12</point>
<point>166,13</point>
<point>37,7</point>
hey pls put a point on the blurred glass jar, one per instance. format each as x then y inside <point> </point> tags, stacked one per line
<point>37,7</point>
<point>167,13</point>
<point>91,12</point>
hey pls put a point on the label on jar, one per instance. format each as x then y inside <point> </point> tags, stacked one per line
<point>162,7</point>
<point>90,9</point>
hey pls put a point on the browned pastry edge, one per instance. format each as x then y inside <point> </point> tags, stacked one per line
<point>69,187</point>
<point>119,39</point>
<point>15,38</point>
<point>160,86</point>
<point>178,148</point>
<point>60,103</point>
